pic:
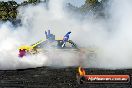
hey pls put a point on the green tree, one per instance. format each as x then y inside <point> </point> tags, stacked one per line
<point>8,10</point>
<point>12,14</point>
<point>33,1</point>
<point>91,1</point>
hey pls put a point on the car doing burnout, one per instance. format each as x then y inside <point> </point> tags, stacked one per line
<point>49,43</point>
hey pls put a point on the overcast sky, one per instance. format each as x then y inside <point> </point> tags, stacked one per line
<point>74,2</point>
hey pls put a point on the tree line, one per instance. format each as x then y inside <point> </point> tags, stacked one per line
<point>8,10</point>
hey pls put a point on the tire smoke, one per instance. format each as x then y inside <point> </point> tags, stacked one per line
<point>111,38</point>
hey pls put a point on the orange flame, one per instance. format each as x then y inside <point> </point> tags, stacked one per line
<point>81,71</point>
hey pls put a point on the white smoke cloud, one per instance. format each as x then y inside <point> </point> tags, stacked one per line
<point>111,38</point>
<point>117,50</point>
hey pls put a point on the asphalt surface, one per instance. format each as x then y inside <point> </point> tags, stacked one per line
<point>47,77</point>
